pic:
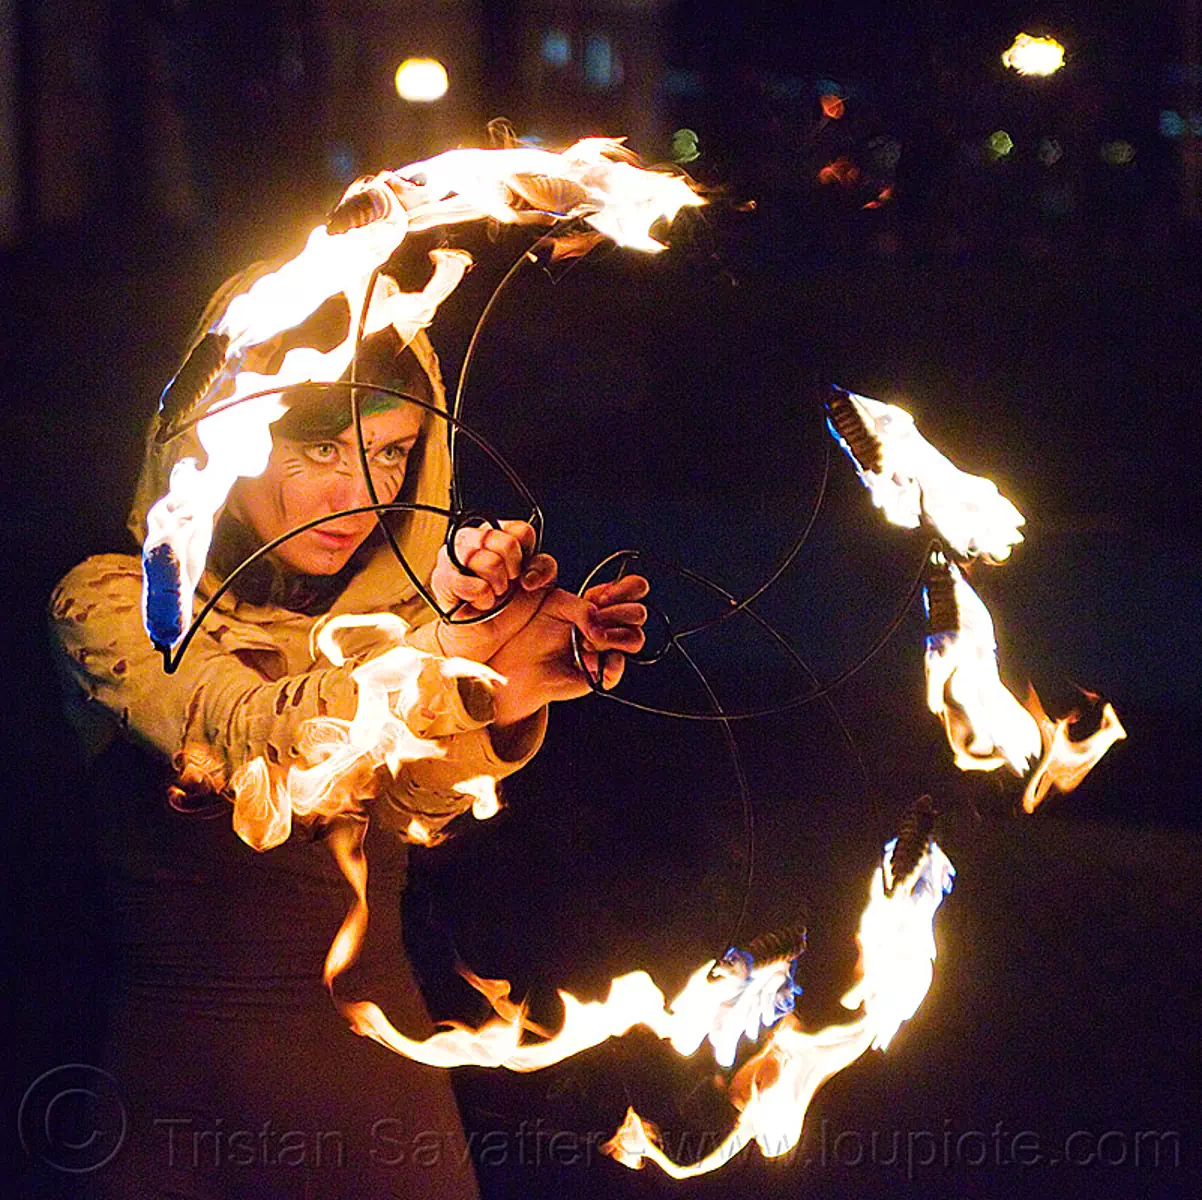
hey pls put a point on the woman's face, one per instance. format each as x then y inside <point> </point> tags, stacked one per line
<point>307,479</point>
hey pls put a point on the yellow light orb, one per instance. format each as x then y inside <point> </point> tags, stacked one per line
<point>1034,55</point>
<point>1000,144</point>
<point>421,80</point>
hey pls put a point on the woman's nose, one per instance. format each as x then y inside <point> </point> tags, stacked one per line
<point>349,489</point>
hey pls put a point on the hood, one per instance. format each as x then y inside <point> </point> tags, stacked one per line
<point>381,583</point>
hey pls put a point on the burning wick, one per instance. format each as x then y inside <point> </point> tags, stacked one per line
<point>773,1089</point>
<point>913,484</point>
<point>986,725</point>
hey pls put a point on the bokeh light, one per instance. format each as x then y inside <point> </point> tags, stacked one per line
<point>885,151</point>
<point>1000,144</point>
<point>421,80</point>
<point>1117,153</point>
<point>1050,151</point>
<point>601,66</point>
<point>842,171</point>
<point>341,161</point>
<point>832,106</point>
<point>685,146</point>
<point>1172,124</point>
<point>557,48</point>
<point>1034,55</point>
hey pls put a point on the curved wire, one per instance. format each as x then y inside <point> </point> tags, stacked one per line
<point>528,255</point>
<point>799,701</point>
<point>172,658</point>
<point>457,518</point>
<point>785,563</point>
<point>748,808</point>
<point>361,446</point>
<point>457,522</point>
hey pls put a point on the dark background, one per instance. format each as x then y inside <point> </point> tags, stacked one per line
<point>1040,318</point>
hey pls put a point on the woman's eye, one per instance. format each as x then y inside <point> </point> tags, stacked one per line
<point>392,456</point>
<point>322,452</point>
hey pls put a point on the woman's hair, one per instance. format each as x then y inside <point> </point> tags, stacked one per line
<point>315,414</point>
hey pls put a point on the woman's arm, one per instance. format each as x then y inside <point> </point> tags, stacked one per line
<point>232,702</point>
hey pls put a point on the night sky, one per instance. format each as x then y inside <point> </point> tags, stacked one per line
<point>1041,320</point>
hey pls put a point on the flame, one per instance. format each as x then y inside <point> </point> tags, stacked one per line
<point>913,482</point>
<point>1034,55</point>
<point>483,790</point>
<point>721,1007</point>
<point>721,1002</point>
<point>1065,762</point>
<point>339,759</point>
<point>595,180</point>
<point>729,1000</point>
<point>832,106</point>
<point>346,844</point>
<point>985,723</point>
<point>774,1088</point>
<point>417,833</point>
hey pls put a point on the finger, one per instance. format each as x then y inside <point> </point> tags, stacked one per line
<point>622,614</point>
<point>468,539</point>
<point>541,571</point>
<point>621,637</point>
<point>508,547</point>
<point>615,666</point>
<point>475,591</point>
<point>452,586</point>
<point>575,610</point>
<point>524,532</point>
<point>629,587</point>
<point>491,567</point>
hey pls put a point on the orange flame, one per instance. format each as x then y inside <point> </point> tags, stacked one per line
<point>717,1005</point>
<point>986,726</point>
<point>595,180</point>
<point>774,1088</point>
<point>339,759</point>
<point>913,482</point>
<point>1065,762</point>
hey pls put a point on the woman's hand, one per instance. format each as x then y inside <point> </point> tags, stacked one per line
<point>497,557</point>
<point>537,660</point>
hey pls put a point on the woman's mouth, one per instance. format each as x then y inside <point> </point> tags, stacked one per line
<point>334,539</point>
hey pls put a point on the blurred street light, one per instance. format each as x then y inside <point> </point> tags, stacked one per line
<point>1034,55</point>
<point>421,80</point>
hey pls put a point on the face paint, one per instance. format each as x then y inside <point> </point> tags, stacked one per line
<point>305,479</point>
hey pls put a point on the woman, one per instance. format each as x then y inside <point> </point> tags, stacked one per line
<point>238,1075</point>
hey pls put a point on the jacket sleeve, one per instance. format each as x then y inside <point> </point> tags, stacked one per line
<point>230,703</point>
